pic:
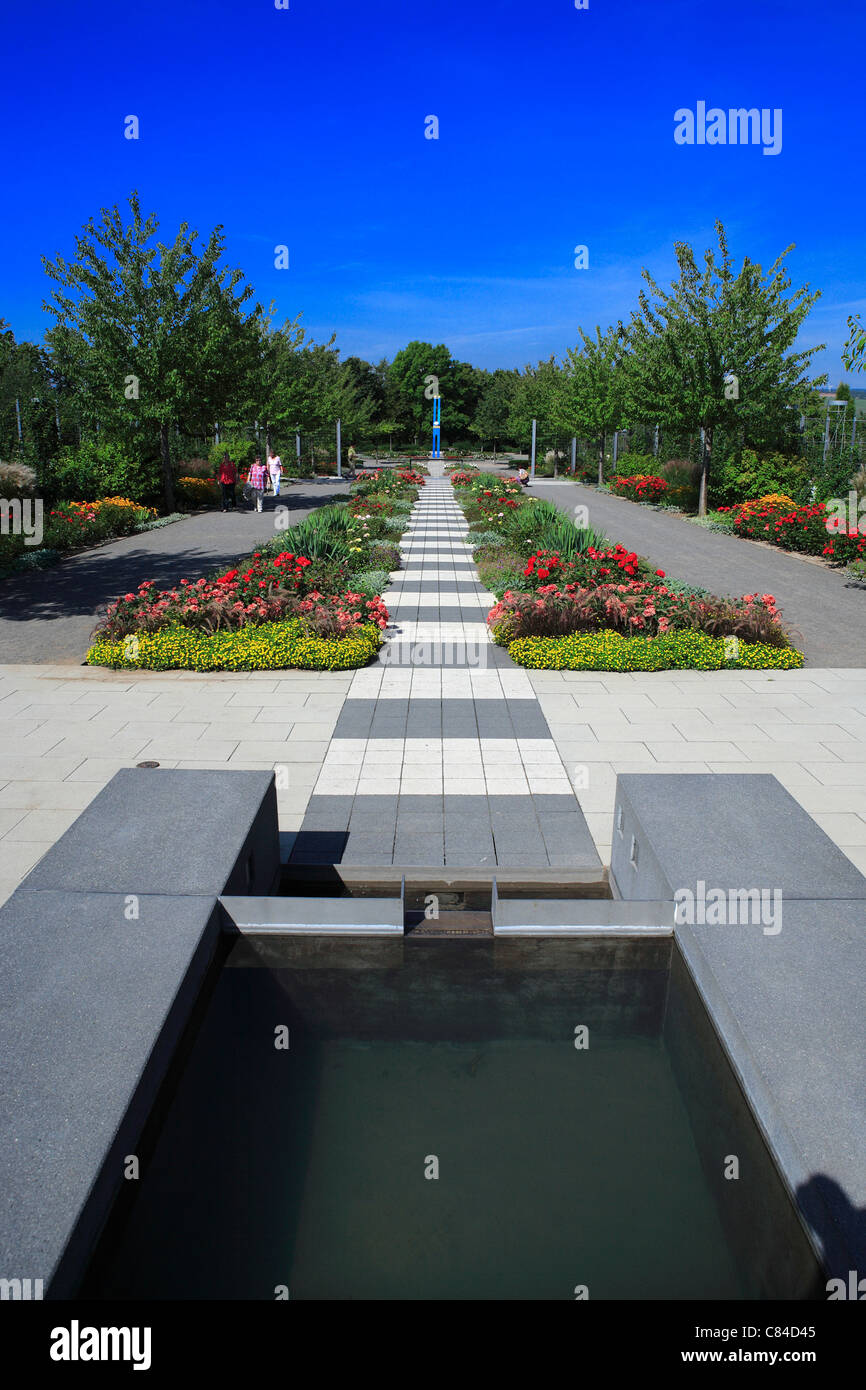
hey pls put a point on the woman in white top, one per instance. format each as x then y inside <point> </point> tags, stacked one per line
<point>275,469</point>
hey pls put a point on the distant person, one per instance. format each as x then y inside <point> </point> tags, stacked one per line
<point>228,476</point>
<point>523,476</point>
<point>275,471</point>
<point>256,483</point>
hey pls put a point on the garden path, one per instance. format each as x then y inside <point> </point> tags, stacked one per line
<point>441,755</point>
<point>824,611</point>
<point>48,616</point>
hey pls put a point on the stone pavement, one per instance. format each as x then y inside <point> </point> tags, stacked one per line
<point>49,616</point>
<point>824,610</point>
<point>439,757</point>
<point>399,732</point>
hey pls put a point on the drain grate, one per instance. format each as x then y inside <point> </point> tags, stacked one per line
<point>450,924</point>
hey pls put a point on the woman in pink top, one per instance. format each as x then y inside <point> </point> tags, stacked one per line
<point>256,483</point>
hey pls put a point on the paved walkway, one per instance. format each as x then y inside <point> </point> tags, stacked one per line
<point>824,611</point>
<point>406,736</point>
<point>49,616</point>
<point>441,756</point>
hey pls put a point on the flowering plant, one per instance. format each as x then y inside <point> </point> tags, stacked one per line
<point>640,487</point>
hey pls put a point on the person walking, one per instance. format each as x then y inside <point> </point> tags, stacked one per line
<point>256,483</point>
<point>228,476</point>
<point>275,471</point>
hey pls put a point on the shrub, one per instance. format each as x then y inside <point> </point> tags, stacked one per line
<point>639,606</point>
<point>641,487</point>
<point>752,475</point>
<point>611,651</point>
<point>683,478</point>
<point>268,647</point>
<point>240,451</point>
<point>101,468</point>
<point>17,480</point>
<point>198,468</point>
<point>629,465</point>
<point>808,529</point>
<point>197,492</point>
<point>370,581</point>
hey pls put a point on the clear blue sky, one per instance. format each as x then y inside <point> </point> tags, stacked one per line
<point>306,127</point>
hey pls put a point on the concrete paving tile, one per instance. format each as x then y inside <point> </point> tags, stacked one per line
<point>45,826</point>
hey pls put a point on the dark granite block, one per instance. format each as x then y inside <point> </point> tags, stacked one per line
<point>168,830</point>
<point>727,830</point>
<point>94,1004</point>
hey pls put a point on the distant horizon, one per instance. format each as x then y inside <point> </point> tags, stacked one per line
<point>556,130</point>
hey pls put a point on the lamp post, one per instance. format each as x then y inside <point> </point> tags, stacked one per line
<point>437,428</point>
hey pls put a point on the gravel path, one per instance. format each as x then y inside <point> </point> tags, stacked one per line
<point>824,612</point>
<point>49,616</point>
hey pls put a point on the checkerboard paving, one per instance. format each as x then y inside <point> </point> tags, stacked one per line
<point>441,755</point>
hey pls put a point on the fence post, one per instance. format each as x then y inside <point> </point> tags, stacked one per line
<point>615,443</point>
<point>656,442</point>
<point>532,455</point>
<point>339,453</point>
<point>18,417</point>
<point>573,455</point>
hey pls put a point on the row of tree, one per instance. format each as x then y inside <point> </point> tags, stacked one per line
<point>154,344</point>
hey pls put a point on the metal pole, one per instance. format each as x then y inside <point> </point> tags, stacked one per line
<point>656,442</point>
<point>573,455</point>
<point>615,442</point>
<point>826,436</point>
<point>532,455</point>
<point>298,448</point>
<point>18,417</point>
<point>339,453</point>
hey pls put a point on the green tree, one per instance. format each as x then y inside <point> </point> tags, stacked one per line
<point>590,398</point>
<point>408,374</point>
<point>714,352</point>
<point>854,351</point>
<point>490,420</point>
<point>152,333</point>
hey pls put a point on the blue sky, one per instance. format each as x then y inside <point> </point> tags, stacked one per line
<point>305,127</point>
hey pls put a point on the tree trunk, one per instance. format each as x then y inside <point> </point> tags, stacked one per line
<point>601,460</point>
<point>167,480</point>
<point>706,449</point>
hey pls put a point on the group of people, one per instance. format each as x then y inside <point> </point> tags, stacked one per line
<point>255,484</point>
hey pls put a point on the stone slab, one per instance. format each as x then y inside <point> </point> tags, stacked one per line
<point>93,1007</point>
<point>170,831</point>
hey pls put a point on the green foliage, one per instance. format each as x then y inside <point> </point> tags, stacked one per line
<point>610,651</point>
<point>100,468</point>
<point>150,334</point>
<point>753,476</point>
<point>266,647</point>
<point>686,344</point>
<point>629,465</point>
<point>241,452</point>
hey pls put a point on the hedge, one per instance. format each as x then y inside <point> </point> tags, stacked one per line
<point>267,647</point>
<point>611,651</point>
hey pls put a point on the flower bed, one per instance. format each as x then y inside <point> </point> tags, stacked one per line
<point>198,492</point>
<point>585,587</point>
<point>265,647</point>
<point>75,526</point>
<point>807,529</point>
<point>639,606</point>
<point>611,651</point>
<point>641,487</point>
